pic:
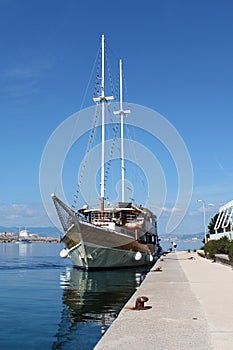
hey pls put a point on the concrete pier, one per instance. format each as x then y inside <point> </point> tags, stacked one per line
<point>191,303</point>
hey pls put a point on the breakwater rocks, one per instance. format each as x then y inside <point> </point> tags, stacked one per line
<point>7,237</point>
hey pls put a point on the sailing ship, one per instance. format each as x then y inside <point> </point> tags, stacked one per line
<point>117,236</point>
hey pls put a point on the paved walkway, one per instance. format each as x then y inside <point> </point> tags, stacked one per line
<point>192,308</point>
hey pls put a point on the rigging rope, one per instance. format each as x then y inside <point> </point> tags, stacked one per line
<point>115,124</point>
<point>115,140</point>
<point>89,146</point>
<point>139,172</point>
<point>113,89</point>
<point>96,92</point>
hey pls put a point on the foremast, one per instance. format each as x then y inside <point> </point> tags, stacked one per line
<point>102,99</point>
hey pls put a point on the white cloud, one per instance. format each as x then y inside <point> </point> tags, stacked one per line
<point>17,214</point>
<point>24,78</point>
<point>26,72</point>
<point>171,210</point>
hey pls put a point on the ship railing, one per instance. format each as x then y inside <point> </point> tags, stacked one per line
<point>130,217</point>
<point>101,217</point>
<point>134,219</point>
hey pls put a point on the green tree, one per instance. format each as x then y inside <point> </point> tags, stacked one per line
<point>219,246</point>
<point>212,224</point>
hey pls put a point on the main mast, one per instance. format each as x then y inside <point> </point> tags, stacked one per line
<point>122,114</point>
<point>102,98</point>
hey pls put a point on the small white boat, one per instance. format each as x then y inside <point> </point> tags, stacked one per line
<point>24,237</point>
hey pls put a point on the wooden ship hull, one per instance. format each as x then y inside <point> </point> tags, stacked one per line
<point>121,237</point>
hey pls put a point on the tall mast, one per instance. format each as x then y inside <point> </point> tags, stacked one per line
<point>102,98</point>
<point>103,130</point>
<point>122,114</point>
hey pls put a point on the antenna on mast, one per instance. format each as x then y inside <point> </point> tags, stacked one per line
<point>102,98</point>
<point>122,113</point>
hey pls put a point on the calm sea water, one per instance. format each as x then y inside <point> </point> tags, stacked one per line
<point>45,303</point>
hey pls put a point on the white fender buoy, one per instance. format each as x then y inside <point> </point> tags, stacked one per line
<point>138,256</point>
<point>64,253</point>
<point>149,257</point>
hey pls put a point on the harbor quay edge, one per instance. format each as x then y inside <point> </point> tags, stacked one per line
<point>188,308</point>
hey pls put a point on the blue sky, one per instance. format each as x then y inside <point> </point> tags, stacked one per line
<point>178,61</point>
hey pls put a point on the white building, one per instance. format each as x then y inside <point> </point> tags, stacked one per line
<point>224,222</point>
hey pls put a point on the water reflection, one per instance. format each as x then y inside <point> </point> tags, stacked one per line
<point>91,302</point>
<point>24,248</point>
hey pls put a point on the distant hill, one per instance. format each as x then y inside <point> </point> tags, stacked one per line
<point>171,237</point>
<point>50,231</point>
